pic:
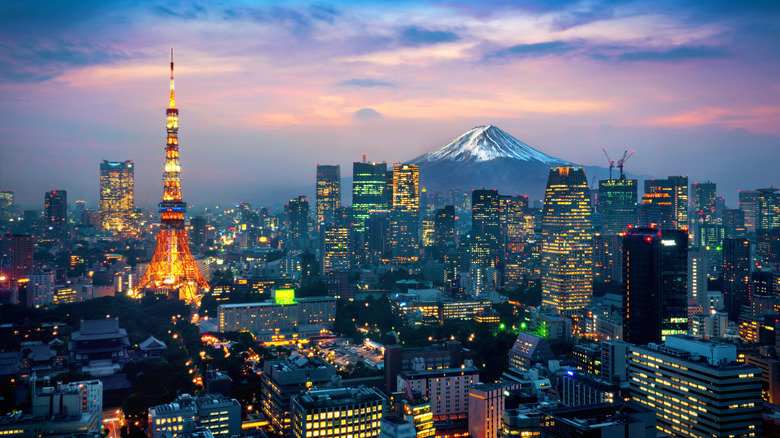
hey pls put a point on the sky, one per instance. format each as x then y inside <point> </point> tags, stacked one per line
<point>268,90</point>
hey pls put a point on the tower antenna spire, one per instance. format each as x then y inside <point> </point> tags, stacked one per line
<point>172,103</point>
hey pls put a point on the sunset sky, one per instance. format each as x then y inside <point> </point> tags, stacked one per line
<point>267,90</point>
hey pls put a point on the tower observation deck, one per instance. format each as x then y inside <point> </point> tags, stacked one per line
<point>172,267</point>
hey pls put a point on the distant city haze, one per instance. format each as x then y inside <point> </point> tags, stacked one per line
<point>268,91</point>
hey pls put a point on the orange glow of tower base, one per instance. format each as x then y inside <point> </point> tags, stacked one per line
<point>172,267</point>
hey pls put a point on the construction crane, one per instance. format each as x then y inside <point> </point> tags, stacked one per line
<point>622,161</point>
<point>610,161</point>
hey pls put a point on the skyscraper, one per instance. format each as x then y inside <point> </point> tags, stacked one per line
<point>736,274</point>
<point>485,227</point>
<point>617,204</point>
<point>328,193</point>
<point>704,199</point>
<point>656,211</point>
<point>405,215</point>
<point>116,195</point>
<point>297,212</point>
<point>172,267</point>
<point>767,209</point>
<point>655,282</point>
<point>368,191</point>
<point>512,218</point>
<point>335,251</point>
<point>677,189</point>
<point>444,230</point>
<point>16,255</point>
<point>56,208</point>
<point>567,248</point>
<point>747,203</point>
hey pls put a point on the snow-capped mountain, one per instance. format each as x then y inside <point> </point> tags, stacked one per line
<point>485,143</point>
<point>487,157</point>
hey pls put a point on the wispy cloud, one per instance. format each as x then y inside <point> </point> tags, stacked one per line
<point>674,54</point>
<point>36,61</point>
<point>365,83</point>
<point>530,50</point>
<point>416,36</point>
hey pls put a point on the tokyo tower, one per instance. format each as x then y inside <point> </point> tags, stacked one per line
<point>172,267</point>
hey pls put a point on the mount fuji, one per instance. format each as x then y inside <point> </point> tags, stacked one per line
<point>487,157</point>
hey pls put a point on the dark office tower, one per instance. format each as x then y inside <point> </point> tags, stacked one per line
<point>655,279</point>
<point>388,197</point>
<point>405,216</point>
<point>736,275</point>
<point>6,203</point>
<point>328,193</point>
<point>607,249</point>
<point>747,203</point>
<point>81,217</point>
<point>768,247</point>
<point>656,211</point>
<point>368,191</point>
<point>297,215</point>
<point>199,230</point>
<point>734,221</point>
<point>767,209</point>
<point>567,242</point>
<point>485,227</point>
<point>378,236</point>
<point>444,231</point>
<point>710,237</point>
<point>677,188</point>
<point>762,283</point>
<point>513,210</point>
<point>116,195</point>
<point>704,198</point>
<point>56,211</point>
<point>617,204</point>
<point>16,255</point>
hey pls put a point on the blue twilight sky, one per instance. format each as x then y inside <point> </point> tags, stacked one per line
<point>266,90</point>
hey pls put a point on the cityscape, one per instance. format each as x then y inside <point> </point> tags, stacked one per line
<point>492,286</point>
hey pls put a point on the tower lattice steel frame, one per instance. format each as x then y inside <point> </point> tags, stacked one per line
<point>172,267</point>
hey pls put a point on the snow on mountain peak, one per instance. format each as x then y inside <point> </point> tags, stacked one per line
<point>485,143</point>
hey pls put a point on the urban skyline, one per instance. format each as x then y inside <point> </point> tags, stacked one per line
<point>688,81</point>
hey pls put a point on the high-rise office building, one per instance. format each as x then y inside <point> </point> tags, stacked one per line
<point>704,199</point>
<point>567,242</point>
<point>444,231</point>
<point>617,204</point>
<point>6,203</point>
<point>338,412</point>
<point>297,215</point>
<point>655,281</point>
<point>697,277</point>
<point>697,388</point>
<point>767,209</point>
<point>656,211</point>
<point>512,218</point>
<point>607,250</point>
<point>747,203</point>
<point>736,274</point>
<point>485,227</point>
<point>116,195</point>
<point>734,222</point>
<point>56,208</point>
<point>369,181</point>
<point>335,251</point>
<point>328,193</point>
<point>17,251</point>
<point>677,188</point>
<point>405,215</point>
<point>285,378</point>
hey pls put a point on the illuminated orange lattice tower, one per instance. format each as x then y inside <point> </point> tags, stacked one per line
<point>172,267</point>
